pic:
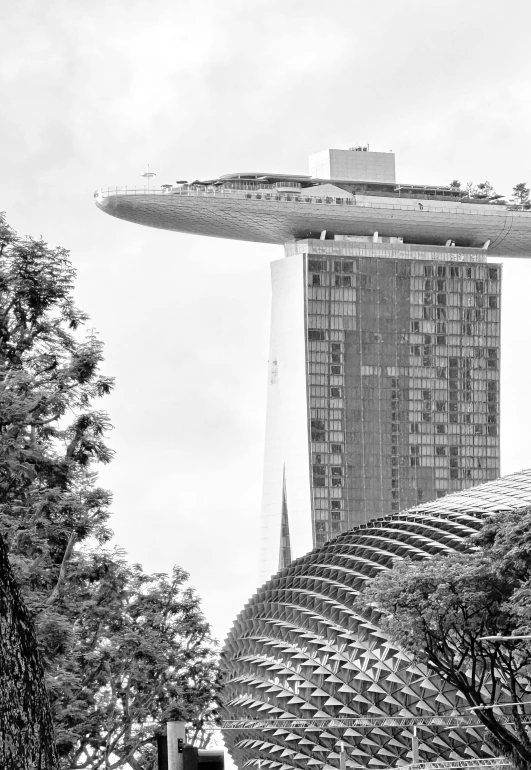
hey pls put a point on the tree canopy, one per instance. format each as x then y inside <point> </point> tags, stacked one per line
<point>521,194</point>
<point>441,609</point>
<point>121,650</point>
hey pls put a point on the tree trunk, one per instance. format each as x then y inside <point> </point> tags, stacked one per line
<point>27,740</point>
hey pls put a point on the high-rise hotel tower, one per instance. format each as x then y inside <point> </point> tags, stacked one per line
<point>384,362</point>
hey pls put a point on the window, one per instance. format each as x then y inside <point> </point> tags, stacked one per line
<point>478,430</point>
<point>320,526</point>
<point>337,481</point>
<point>420,494</point>
<point>468,272</point>
<point>337,470</point>
<point>426,416</point>
<point>441,428</point>
<point>343,267</point>
<point>335,392</point>
<point>343,281</point>
<point>428,269</point>
<point>454,418</point>
<point>316,280</point>
<point>414,427</point>
<point>319,470</point>
<point>441,372</point>
<point>441,314</point>
<point>336,448</point>
<point>454,272</point>
<point>335,370</point>
<point>318,435</point>
<point>493,274</point>
<point>336,347</point>
<point>479,287</point>
<point>427,339</point>
<point>493,302</point>
<point>440,451</point>
<point>440,406</point>
<point>441,339</point>
<point>427,361</point>
<point>441,327</point>
<point>441,271</point>
<point>415,350</point>
<point>440,493</point>
<point>415,326</point>
<point>414,461</point>
<point>316,334</point>
<point>441,285</point>
<point>441,299</point>
<point>454,473</point>
<point>492,430</point>
<point>316,265</point>
<point>467,419</point>
<point>335,505</point>
<point>336,516</point>
<point>414,450</point>
<point>335,358</point>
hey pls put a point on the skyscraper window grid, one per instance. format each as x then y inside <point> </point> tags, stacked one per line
<point>403,383</point>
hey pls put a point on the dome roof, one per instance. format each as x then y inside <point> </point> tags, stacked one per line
<point>298,649</point>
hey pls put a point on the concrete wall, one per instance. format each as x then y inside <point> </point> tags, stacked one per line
<point>355,165</point>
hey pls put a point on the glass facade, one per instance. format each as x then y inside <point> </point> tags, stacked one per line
<point>402,379</point>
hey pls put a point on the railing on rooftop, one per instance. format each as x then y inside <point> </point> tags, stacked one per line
<point>357,199</point>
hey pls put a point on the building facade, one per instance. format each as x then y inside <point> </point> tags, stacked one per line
<point>384,359</point>
<point>383,387</point>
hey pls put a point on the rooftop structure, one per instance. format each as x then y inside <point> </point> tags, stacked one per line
<point>349,192</point>
<point>355,163</point>
<point>298,650</point>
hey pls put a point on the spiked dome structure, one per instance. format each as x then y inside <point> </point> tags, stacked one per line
<point>298,650</point>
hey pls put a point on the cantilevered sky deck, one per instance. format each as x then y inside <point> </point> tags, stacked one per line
<point>278,209</point>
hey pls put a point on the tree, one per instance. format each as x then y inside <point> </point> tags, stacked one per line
<point>47,497</point>
<point>521,195</point>
<point>455,184</point>
<point>84,601</point>
<point>440,609</point>
<point>26,731</point>
<point>142,654</point>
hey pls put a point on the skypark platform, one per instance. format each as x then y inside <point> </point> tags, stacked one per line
<point>286,211</point>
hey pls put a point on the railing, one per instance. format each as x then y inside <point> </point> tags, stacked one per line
<point>462,764</point>
<point>356,200</point>
<point>292,723</point>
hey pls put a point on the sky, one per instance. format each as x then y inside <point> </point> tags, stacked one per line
<point>94,91</point>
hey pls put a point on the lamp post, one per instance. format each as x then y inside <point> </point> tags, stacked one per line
<point>148,174</point>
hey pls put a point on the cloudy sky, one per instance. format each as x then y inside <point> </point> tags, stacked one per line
<point>92,91</point>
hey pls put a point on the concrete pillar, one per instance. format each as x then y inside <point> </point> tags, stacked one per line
<point>342,757</point>
<point>175,730</point>
<point>414,747</point>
